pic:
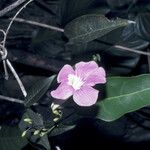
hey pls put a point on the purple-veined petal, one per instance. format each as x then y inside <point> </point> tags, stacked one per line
<point>83,69</point>
<point>63,91</point>
<point>96,76</point>
<point>64,72</point>
<point>86,96</point>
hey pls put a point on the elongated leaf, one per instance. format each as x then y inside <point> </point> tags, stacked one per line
<point>10,138</point>
<point>90,27</point>
<point>38,90</point>
<point>124,95</point>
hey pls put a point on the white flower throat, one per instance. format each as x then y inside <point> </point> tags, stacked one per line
<point>75,81</point>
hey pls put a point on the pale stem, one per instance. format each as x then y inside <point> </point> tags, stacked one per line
<point>38,24</point>
<point>6,61</point>
<point>17,78</point>
<point>11,7</point>
<point>10,99</point>
<point>11,22</point>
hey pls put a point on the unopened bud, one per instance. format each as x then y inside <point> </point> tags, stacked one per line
<point>28,120</point>
<point>24,133</point>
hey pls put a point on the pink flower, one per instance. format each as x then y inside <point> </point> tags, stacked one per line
<point>79,83</point>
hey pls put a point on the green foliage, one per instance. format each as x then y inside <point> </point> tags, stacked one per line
<point>30,128</point>
<point>124,95</point>
<point>142,26</point>
<point>10,138</point>
<point>60,129</point>
<point>90,27</point>
<point>38,90</point>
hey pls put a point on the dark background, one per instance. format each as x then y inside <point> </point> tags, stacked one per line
<point>37,53</point>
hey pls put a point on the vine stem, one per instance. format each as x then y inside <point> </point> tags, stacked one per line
<point>11,22</point>
<point>17,78</point>
<point>21,20</point>
<point>11,7</point>
<point>6,61</point>
<point>124,48</point>
<point>10,99</point>
<point>132,50</point>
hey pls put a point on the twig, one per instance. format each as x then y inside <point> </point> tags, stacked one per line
<point>38,24</point>
<point>124,48</point>
<point>10,99</point>
<point>132,50</point>
<point>11,7</point>
<point>4,55</point>
<point>17,78</point>
<point>11,22</point>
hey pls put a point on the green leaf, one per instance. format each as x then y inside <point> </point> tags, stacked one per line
<point>142,26</point>
<point>124,95</point>
<point>61,129</point>
<point>118,3</point>
<point>38,90</point>
<point>10,138</point>
<point>90,27</point>
<point>37,124</point>
<point>72,9</point>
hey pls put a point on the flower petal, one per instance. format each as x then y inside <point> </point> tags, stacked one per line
<point>83,69</point>
<point>86,96</point>
<point>63,92</point>
<point>96,76</point>
<point>64,72</point>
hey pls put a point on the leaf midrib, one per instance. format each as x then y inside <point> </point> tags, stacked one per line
<point>123,95</point>
<point>122,24</point>
<point>46,83</point>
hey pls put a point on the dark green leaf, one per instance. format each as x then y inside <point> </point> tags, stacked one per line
<point>37,124</point>
<point>74,8</point>
<point>142,26</point>
<point>124,95</point>
<point>61,129</point>
<point>38,90</point>
<point>122,61</point>
<point>118,3</point>
<point>10,138</point>
<point>90,27</point>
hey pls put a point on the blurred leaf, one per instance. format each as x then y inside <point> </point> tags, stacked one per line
<point>48,43</point>
<point>122,61</point>
<point>118,3</point>
<point>74,8</point>
<point>90,27</point>
<point>142,26</point>
<point>38,90</point>
<point>124,95</point>
<point>10,138</point>
<point>124,37</point>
